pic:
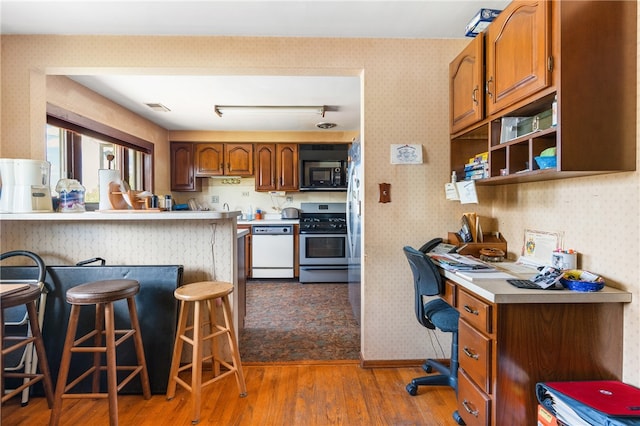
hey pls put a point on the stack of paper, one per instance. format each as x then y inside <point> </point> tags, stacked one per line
<point>457,262</point>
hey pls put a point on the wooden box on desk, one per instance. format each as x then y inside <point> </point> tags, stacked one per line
<point>489,240</point>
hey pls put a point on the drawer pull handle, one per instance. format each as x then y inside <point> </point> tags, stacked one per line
<point>469,410</point>
<point>470,354</point>
<point>471,310</point>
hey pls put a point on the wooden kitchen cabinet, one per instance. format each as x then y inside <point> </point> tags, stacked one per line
<point>209,159</point>
<point>466,85</point>
<point>238,159</point>
<point>247,250</point>
<point>518,53</point>
<point>540,51</point>
<point>182,172</point>
<point>276,167</point>
<point>506,348</point>
<point>216,159</point>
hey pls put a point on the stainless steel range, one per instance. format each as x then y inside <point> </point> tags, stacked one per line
<point>323,243</point>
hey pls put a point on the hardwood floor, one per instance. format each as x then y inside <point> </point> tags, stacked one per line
<point>299,393</point>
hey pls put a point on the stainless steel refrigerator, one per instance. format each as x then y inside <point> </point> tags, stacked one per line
<point>355,193</point>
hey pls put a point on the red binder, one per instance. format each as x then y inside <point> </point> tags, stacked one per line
<point>610,397</point>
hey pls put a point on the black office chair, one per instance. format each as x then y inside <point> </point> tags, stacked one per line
<point>435,313</point>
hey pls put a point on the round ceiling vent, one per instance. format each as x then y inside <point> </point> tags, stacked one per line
<point>325,125</point>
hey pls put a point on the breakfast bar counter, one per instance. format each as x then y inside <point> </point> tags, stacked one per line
<point>204,242</point>
<point>108,215</point>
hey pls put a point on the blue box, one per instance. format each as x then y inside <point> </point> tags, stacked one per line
<point>481,21</point>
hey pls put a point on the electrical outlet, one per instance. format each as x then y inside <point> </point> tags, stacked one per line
<point>289,199</point>
<point>215,199</point>
<point>245,193</point>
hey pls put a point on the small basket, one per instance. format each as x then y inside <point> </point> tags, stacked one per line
<point>568,281</point>
<point>548,162</point>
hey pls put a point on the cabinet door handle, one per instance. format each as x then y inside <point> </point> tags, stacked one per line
<point>488,90</point>
<point>229,166</point>
<point>474,95</point>
<point>469,409</point>
<point>470,354</point>
<point>221,166</point>
<point>471,310</point>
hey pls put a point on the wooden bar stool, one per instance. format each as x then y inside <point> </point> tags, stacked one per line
<point>102,294</point>
<point>16,294</point>
<point>203,296</point>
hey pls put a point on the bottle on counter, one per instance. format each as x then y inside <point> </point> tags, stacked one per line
<point>258,214</point>
<point>168,203</point>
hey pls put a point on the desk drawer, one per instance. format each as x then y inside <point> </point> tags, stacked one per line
<point>475,355</point>
<point>473,405</point>
<point>449,294</point>
<point>475,311</point>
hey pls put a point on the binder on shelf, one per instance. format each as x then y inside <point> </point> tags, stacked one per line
<point>576,403</point>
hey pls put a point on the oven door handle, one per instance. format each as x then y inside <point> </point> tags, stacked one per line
<point>324,268</point>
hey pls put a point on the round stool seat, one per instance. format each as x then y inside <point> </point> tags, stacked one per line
<point>102,291</point>
<point>203,290</point>
<point>21,297</point>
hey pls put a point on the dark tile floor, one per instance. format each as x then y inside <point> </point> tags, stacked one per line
<point>289,321</point>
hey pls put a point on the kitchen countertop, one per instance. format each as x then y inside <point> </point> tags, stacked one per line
<point>269,222</point>
<point>107,215</point>
<point>498,290</point>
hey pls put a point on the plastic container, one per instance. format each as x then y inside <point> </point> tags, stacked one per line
<point>584,281</point>
<point>70,196</point>
<point>546,162</point>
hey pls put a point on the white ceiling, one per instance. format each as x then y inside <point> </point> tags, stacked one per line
<point>191,98</point>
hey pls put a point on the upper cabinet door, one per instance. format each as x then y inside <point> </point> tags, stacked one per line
<point>182,172</point>
<point>466,88</point>
<point>209,159</point>
<point>239,159</point>
<point>518,53</point>
<point>287,167</point>
<point>265,167</point>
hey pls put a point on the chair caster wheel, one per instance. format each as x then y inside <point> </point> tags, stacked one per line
<point>457,418</point>
<point>412,389</point>
<point>427,368</point>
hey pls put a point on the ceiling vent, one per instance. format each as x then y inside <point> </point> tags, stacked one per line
<point>158,107</point>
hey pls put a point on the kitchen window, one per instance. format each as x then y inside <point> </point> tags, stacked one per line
<point>78,147</point>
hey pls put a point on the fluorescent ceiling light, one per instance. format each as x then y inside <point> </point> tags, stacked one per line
<point>269,109</point>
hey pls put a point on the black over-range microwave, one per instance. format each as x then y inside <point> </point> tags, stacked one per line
<point>323,167</point>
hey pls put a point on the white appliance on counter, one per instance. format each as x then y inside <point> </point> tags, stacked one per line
<point>25,186</point>
<point>272,251</point>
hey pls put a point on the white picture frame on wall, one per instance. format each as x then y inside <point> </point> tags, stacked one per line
<point>406,154</point>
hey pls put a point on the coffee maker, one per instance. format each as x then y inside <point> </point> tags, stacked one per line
<point>25,186</point>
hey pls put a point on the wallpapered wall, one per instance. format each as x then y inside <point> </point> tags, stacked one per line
<point>405,101</point>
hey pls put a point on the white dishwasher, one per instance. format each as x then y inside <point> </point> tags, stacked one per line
<point>272,251</point>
